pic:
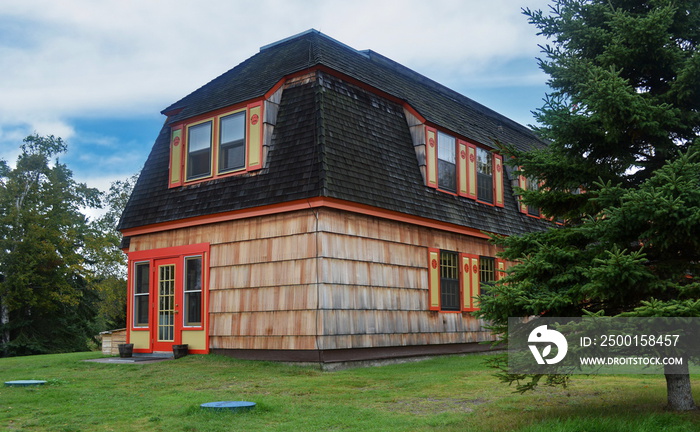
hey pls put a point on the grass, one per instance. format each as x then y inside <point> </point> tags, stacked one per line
<point>446,394</point>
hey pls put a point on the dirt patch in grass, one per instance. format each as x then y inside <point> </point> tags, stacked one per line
<point>430,406</point>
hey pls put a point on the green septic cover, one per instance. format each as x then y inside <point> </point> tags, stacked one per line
<point>229,405</point>
<point>24,383</point>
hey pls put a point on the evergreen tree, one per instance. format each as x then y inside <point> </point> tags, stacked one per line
<point>620,171</point>
<point>45,302</point>
<point>625,80</point>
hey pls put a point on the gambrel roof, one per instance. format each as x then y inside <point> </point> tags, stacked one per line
<point>343,135</point>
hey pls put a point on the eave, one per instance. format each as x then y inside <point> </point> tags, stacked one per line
<point>312,203</point>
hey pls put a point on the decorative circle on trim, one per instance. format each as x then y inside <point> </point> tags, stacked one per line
<point>466,268</point>
<point>254,119</point>
<point>475,268</point>
<point>498,168</point>
<point>434,263</point>
<point>176,141</point>
<point>431,141</point>
<point>463,154</point>
<point>472,158</point>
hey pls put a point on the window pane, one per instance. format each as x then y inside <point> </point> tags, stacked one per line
<point>193,308</point>
<point>447,176</point>
<point>447,169</point>
<point>484,177</point>
<point>193,271</point>
<point>141,310</point>
<point>487,273</point>
<point>141,291</point>
<point>446,148</point>
<point>200,137</point>
<point>484,161</point>
<point>199,150</point>
<point>232,156</point>
<point>233,127</point>
<point>232,142</point>
<point>449,281</point>
<point>193,291</point>
<point>142,273</point>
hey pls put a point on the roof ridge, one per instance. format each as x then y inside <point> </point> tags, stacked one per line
<point>447,91</point>
<point>311,31</point>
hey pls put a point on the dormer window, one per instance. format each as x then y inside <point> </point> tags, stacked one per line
<point>232,142</point>
<point>462,168</point>
<point>530,184</point>
<point>199,151</point>
<point>533,185</point>
<point>447,163</point>
<point>225,142</point>
<point>484,175</point>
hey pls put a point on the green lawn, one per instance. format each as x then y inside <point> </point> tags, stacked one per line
<point>446,394</point>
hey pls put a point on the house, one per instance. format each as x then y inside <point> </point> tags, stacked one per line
<point>319,203</point>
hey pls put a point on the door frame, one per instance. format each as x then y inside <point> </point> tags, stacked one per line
<point>174,303</point>
<point>146,338</point>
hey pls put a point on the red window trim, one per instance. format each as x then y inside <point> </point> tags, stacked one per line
<point>431,164</point>
<point>152,255</point>
<point>467,269</point>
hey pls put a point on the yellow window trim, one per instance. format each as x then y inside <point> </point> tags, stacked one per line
<point>215,142</point>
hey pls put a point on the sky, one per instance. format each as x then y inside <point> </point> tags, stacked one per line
<point>97,73</point>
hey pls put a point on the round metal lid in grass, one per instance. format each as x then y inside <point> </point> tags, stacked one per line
<point>24,383</point>
<point>235,406</point>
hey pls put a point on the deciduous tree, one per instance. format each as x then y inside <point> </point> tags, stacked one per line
<point>45,302</point>
<point>107,261</point>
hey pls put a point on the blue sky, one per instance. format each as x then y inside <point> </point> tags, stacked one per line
<point>98,73</point>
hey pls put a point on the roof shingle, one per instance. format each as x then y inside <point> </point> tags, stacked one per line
<point>332,139</point>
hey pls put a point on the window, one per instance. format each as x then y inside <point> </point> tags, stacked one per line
<point>461,167</point>
<point>455,279</point>
<point>487,270</point>
<point>529,183</point>
<point>193,291</point>
<point>449,281</point>
<point>533,185</point>
<point>484,175</point>
<point>141,294</point>
<point>199,151</point>
<point>225,142</point>
<point>232,142</point>
<point>447,168</point>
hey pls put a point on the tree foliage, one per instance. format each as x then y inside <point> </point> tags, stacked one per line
<point>625,96</point>
<point>639,255</point>
<point>621,171</point>
<point>45,302</point>
<point>106,260</point>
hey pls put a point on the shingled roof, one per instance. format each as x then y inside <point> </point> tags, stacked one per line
<point>332,139</point>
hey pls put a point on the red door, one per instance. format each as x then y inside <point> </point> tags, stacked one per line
<point>168,298</point>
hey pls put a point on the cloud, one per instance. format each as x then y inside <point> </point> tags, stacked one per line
<point>68,62</point>
<point>80,57</point>
<point>12,135</point>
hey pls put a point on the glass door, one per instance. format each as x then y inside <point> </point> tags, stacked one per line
<point>167,330</point>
